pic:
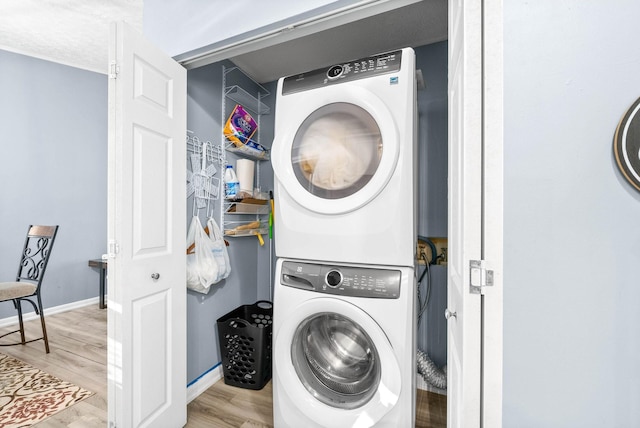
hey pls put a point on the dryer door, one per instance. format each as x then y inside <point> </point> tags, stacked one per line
<point>335,149</point>
<point>340,366</point>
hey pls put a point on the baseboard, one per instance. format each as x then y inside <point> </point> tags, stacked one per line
<point>202,383</point>
<point>28,316</point>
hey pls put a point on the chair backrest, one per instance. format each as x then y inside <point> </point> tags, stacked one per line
<point>35,256</point>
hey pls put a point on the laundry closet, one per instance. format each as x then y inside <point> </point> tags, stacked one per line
<point>252,263</point>
<point>213,90</point>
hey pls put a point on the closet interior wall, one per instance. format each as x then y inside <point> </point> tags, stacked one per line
<point>251,266</point>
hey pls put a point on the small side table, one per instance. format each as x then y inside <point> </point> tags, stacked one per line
<point>102,264</point>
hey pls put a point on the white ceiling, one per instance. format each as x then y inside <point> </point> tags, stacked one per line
<point>71,32</point>
<point>75,32</point>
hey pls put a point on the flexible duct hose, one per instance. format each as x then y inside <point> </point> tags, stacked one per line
<point>430,372</point>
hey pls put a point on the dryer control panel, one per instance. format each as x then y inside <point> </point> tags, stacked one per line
<point>342,280</point>
<point>353,70</point>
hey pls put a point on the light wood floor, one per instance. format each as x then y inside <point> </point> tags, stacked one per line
<point>243,405</point>
<point>78,342</point>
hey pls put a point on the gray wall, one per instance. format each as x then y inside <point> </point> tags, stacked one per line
<point>250,278</point>
<point>571,235</point>
<point>53,170</point>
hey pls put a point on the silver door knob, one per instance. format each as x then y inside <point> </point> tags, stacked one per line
<point>155,275</point>
<point>448,314</point>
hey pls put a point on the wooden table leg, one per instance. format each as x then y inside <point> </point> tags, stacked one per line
<point>102,265</point>
<point>103,274</point>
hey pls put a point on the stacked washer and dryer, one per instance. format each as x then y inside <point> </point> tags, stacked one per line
<point>344,160</point>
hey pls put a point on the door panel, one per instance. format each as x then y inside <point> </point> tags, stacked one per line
<point>150,318</point>
<point>151,153</point>
<point>147,264</point>
<point>152,86</point>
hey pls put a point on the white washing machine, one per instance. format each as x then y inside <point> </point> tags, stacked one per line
<point>343,346</point>
<point>344,160</point>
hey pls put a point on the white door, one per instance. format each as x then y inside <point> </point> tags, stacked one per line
<point>474,354</point>
<point>146,230</point>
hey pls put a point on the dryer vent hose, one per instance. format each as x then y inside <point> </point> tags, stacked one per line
<point>430,372</point>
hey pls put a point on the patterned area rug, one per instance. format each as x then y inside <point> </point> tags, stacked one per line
<point>29,395</point>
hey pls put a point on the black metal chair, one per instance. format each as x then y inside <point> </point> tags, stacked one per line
<point>28,283</point>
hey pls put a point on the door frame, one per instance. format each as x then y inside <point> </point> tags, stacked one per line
<point>283,31</point>
<point>492,71</point>
<point>493,197</point>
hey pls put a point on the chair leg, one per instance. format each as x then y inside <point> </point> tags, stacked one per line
<point>18,305</point>
<point>44,327</point>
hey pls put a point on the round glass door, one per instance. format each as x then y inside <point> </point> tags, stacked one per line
<point>336,360</point>
<point>336,150</point>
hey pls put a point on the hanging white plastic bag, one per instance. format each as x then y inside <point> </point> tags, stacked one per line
<point>220,249</point>
<point>202,267</point>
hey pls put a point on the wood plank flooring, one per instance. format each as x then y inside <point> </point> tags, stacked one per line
<point>78,342</point>
<point>241,405</point>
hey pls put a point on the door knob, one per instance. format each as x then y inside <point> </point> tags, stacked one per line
<point>155,275</point>
<point>448,314</point>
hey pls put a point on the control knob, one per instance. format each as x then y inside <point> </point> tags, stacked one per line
<point>335,72</point>
<point>333,278</point>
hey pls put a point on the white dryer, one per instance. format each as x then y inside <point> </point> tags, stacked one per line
<point>344,160</point>
<point>343,346</point>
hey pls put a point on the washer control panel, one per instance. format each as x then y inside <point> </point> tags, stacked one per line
<point>339,73</point>
<point>342,280</point>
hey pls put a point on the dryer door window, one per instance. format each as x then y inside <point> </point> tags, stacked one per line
<point>336,360</point>
<point>336,150</point>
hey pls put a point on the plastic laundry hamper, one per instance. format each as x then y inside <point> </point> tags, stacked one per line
<point>244,335</point>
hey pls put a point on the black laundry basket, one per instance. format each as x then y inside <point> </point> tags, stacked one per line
<point>244,335</point>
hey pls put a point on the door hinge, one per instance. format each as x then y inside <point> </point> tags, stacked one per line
<point>114,248</point>
<point>479,276</point>
<point>114,69</point>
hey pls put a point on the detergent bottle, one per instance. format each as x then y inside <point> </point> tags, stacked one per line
<point>231,183</point>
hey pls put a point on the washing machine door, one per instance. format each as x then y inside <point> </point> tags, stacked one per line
<point>340,367</point>
<point>335,149</point>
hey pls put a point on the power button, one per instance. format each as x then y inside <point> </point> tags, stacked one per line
<point>334,278</point>
<point>335,72</point>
